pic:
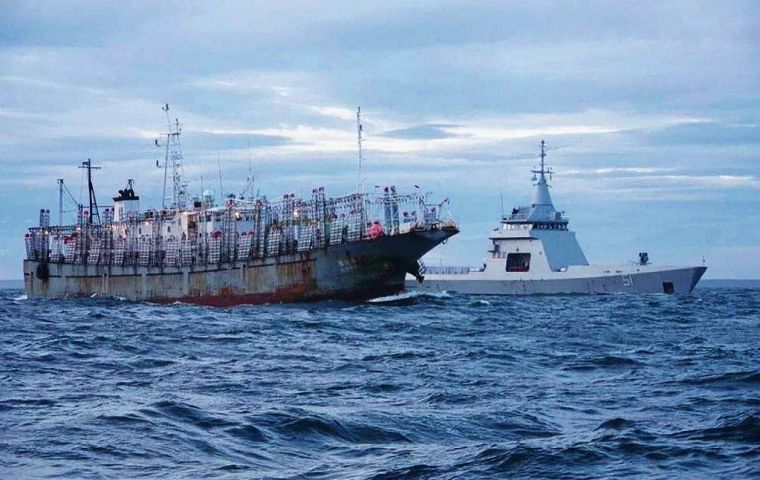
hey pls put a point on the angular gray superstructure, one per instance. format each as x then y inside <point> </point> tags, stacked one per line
<point>534,252</point>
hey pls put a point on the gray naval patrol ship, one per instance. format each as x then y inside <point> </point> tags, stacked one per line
<point>240,250</point>
<point>534,252</point>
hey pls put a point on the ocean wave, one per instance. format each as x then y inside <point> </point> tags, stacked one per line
<point>184,414</point>
<point>741,428</point>
<point>616,423</point>
<point>529,460</point>
<point>603,362</point>
<point>449,397</point>
<point>750,377</point>
<point>302,425</point>
<point>447,386</point>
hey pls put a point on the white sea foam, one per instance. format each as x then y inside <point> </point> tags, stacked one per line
<point>394,298</point>
<point>443,294</point>
<point>399,297</point>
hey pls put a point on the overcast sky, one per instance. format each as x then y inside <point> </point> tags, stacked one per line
<point>650,111</point>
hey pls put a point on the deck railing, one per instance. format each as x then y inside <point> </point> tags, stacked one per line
<point>239,230</point>
<point>453,270</point>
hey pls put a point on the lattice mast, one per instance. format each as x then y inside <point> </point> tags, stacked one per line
<point>360,178</point>
<point>172,166</point>
<point>359,128</point>
<point>93,203</point>
<point>60,202</point>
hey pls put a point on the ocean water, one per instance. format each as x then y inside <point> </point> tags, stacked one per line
<point>441,386</point>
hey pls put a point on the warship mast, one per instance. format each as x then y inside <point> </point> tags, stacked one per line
<point>542,196</point>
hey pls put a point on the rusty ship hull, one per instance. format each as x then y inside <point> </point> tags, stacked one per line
<point>239,249</point>
<point>352,271</point>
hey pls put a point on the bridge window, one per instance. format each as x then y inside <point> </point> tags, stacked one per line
<point>518,262</point>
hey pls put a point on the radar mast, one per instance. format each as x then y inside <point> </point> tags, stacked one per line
<point>542,196</point>
<point>543,171</point>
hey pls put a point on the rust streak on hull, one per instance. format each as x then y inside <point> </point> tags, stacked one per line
<point>350,271</point>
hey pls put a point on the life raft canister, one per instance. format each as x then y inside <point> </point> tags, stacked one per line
<point>43,271</point>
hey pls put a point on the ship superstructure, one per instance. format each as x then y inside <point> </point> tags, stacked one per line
<point>242,250</point>
<point>534,252</point>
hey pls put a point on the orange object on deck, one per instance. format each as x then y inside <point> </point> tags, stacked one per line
<point>375,230</point>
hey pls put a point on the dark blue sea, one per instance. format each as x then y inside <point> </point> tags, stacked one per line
<point>441,386</point>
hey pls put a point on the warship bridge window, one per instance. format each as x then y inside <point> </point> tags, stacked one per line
<point>518,262</point>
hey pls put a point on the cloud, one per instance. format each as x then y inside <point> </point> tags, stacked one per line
<point>641,104</point>
<point>199,141</point>
<point>706,133</point>
<point>341,113</point>
<point>429,132</point>
<point>277,83</point>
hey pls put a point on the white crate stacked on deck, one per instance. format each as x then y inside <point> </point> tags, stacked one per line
<point>214,248</point>
<point>144,252</point>
<point>93,255</point>
<point>31,253</point>
<point>336,231</point>
<point>261,247</point>
<point>288,236</point>
<point>318,214</point>
<point>80,257</point>
<point>354,227</point>
<point>69,249</point>
<point>118,251</point>
<point>172,253</point>
<point>244,245</point>
<point>56,249</point>
<point>273,242</point>
<point>319,236</point>
<point>305,237</point>
<point>186,253</point>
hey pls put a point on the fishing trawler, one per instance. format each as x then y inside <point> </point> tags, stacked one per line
<point>238,251</point>
<point>534,252</point>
